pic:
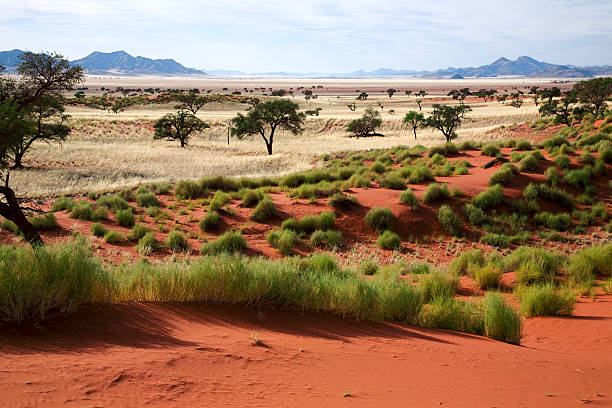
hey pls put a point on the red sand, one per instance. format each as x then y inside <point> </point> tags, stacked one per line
<point>190,355</point>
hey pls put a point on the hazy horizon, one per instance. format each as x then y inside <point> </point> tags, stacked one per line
<point>315,36</point>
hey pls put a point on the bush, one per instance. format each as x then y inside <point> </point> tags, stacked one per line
<point>491,149</point>
<point>438,285</point>
<point>389,240</point>
<point>466,262</point>
<point>341,200</point>
<point>219,200</point>
<point>546,301</point>
<point>501,321</point>
<point>44,222</point>
<point>474,214</point>
<point>523,145</point>
<point>98,230</point>
<point>112,202</point>
<point>35,282</point>
<point>187,189</point>
<point>264,210</point>
<point>82,210</point>
<point>449,220</point>
<point>420,174</point>
<point>380,218</point>
<point>579,178</point>
<point>436,192</point>
<point>138,231</point>
<point>562,161</point>
<point>62,203</point>
<point>586,158</point>
<point>446,149</point>
<point>491,197</point>
<point>251,198</point>
<point>557,222</point>
<point>125,218</point>
<point>114,237</point>
<point>453,314</point>
<point>487,276</point>
<point>359,181</point>
<point>368,267</point>
<point>99,214</point>
<point>553,194</point>
<point>496,240</point>
<point>327,220</point>
<point>291,223</point>
<point>283,240</point>
<point>147,244</point>
<point>228,242</point>
<point>219,183</point>
<point>393,181</point>
<point>533,265</point>
<point>504,175</point>
<point>528,164</point>
<point>147,199</point>
<point>308,224</point>
<point>407,197</point>
<point>378,167</point>
<point>177,242</point>
<point>551,176</point>
<point>209,222</point>
<point>328,238</point>
<point>589,263</point>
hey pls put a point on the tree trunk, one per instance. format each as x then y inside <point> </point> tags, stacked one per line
<point>414,130</point>
<point>269,147</point>
<point>18,157</point>
<point>12,211</point>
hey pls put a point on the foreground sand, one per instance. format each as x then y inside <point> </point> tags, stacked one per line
<point>193,355</point>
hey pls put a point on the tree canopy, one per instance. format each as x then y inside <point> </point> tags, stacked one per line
<point>415,120</point>
<point>178,126</point>
<point>366,125</point>
<point>593,93</point>
<point>447,119</point>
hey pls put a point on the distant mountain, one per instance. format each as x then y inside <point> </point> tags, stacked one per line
<point>122,63</point>
<point>10,59</point>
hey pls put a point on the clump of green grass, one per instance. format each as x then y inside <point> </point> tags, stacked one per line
<point>380,218</point>
<point>114,237</point>
<point>210,221</point>
<point>504,175</point>
<point>562,161</point>
<point>112,202</point>
<point>138,231</point>
<point>147,244</point>
<point>551,176</point>
<point>466,261</point>
<point>501,321</point>
<point>188,189</point>
<point>523,145</point>
<point>177,242</point>
<point>407,197</point>
<point>557,222</point>
<point>487,276</point>
<point>219,200</point>
<point>420,174</point>
<point>491,197</point>
<point>228,242</point>
<point>528,164</point>
<point>475,215</point>
<point>62,203</point>
<point>579,178</point>
<point>449,220</point>
<point>389,240</point>
<point>438,285</point>
<point>533,265</point>
<point>82,210</point>
<point>393,181</point>
<point>445,149</point>
<point>436,192</point>
<point>250,198</point>
<point>329,238</point>
<point>342,200</point>
<point>125,218</point>
<point>283,240</point>
<point>368,267</point>
<point>496,240</point>
<point>491,149</point>
<point>147,199</point>
<point>589,263</point>
<point>264,210</point>
<point>546,300</point>
<point>44,222</point>
<point>98,230</point>
<point>378,167</point>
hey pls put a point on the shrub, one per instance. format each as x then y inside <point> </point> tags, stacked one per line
<point>380,218</point>
<point>126,194</point>
<point>291,223</point>
<point>468,145</point>
<point>504,175</point>
<point>438,285</point>
<point>147,244</point>
<point>552,176</point>
<point>474,214</point>
<point>446,149</point>
<point>562,161</point>
<point>147,199</point>
<point>466,262</point>
<point>177,242</point>
<point>449,220</point>
<point>138,231</point>
<point>487,276</point>
<point>221,183</point>
<point>557,222</point>
<point>393,181</point>
<point>264,210</point>
<point>436,192</point>
<point>283,240</point>
<point>378,167</point>
<point>112,202</point>
<point>389,240</point>
<point>453,314</point>
<point>114,237</point>
<point>326,238</point>
<point>219,200</point>
<point>585,265</point>
<point>98,230</point>
<point>420,174</point>
<point>546,301</point>
<point>99,214</point>
<point>501,321</point>
<point>308,223</point>
<point>491,149</point>
<point>230,242</point>
<point>533,265</point>
<point>605,153</point>
<point>491,197</point>
<point>579,178</point>
<point>368,267</point>
<point>359,181</point>
<point>62,203</point>
<point>523,145</point>
<point>528,164</point>
<point>251,198</point>
<point>188,189</point>
<point>554,194</point>
<point>496,240</point>
<point>44,222</point>
<point>82,210</point>
<point>407,197</point>
<point>341,200</point>
<point>586,158</point>
<point>209,221</point>
<point>125,218</point>
<point>327,220</point>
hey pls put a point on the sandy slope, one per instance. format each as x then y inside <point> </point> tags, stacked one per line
<point>191,355</point>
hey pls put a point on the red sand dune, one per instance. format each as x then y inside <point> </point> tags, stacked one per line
<point>181,355</point>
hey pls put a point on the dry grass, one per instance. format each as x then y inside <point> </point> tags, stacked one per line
<point>108,152</point>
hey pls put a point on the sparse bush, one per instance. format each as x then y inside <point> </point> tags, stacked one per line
<point>138,231</point>
<point>546,301</point>
<point>177,242</point>
<point>491,149</point>
<point>62,203</point>
<point>230,242</point>
<point>553,194</point>
<point>209,222</point>
<point>589,263</point>
<point>114,237</point>
<point>436,192</point>
<point>557,222</point>
<point>474,214</point>
<point>389,240</point>
<point>504,175</point>
<point>449,220</point>
<point>82,210</point>
<point>579,178</point>
<point>420,174</point>
<point>407,197</point>
<point>378,167</point>
<point>112,202</point>
<point>491,197</point>
<point>219,200</point>
<point>501,321</point>
<point>438,285</point>
<point>487,276</point>
<point>327,238</point>
<point>552,176</point>
<point>264,210</point>
<point>380,218</point>
<point>528,164</point>
<point>187,189</point>
<point>496,240</point>
<point>368,267</point>
<point>393,181</point>
<point>562,161</point>
<point>327,220</point>
<point>523,145</point>
<point>251,198</point>
<point>147,244</point>
<point>44,222</point>
<point>99,214</point>
<point>283,240</point>
<point>341,200</point>
<point>98,230</point>
<point>533,265</point>
<point>466,262</point>
<point>586,158</point>
<point>125,218</point>
<point>147,199</point>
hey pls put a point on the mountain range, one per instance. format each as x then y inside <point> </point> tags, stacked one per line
<point>120,63</point>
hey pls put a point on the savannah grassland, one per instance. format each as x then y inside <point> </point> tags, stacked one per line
<point>108,151</point>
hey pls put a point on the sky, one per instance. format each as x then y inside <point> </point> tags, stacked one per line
<point>315,35</point>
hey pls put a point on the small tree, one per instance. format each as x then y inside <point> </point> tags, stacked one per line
<point>362,96</point>
<point>390,92</point>
<point>418,102</point>
<point>178,126</point>
<point>593,93</point>
<point>565,110</point>
<point>307,94</point>
<point>517,102</point>
<point>447,119</point>
<point>352,106</point>
<point>535,94</point>
<point>415,120</point>
<point>192,102</point>
<point>366,125</point>
<point>265,118</point>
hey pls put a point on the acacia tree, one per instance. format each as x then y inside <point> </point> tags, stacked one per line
<point>42,79</point>
<point>390,92</point>
<point>415,120</point>
<point>366,125</point>
<point>565,110</point>
<point>593,93</point>
<point>447,119</point>
<point>192,102</point>
<point>266,117</point>
<point>178,126</point>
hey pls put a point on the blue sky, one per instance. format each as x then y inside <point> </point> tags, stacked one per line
<point>315,35</point>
